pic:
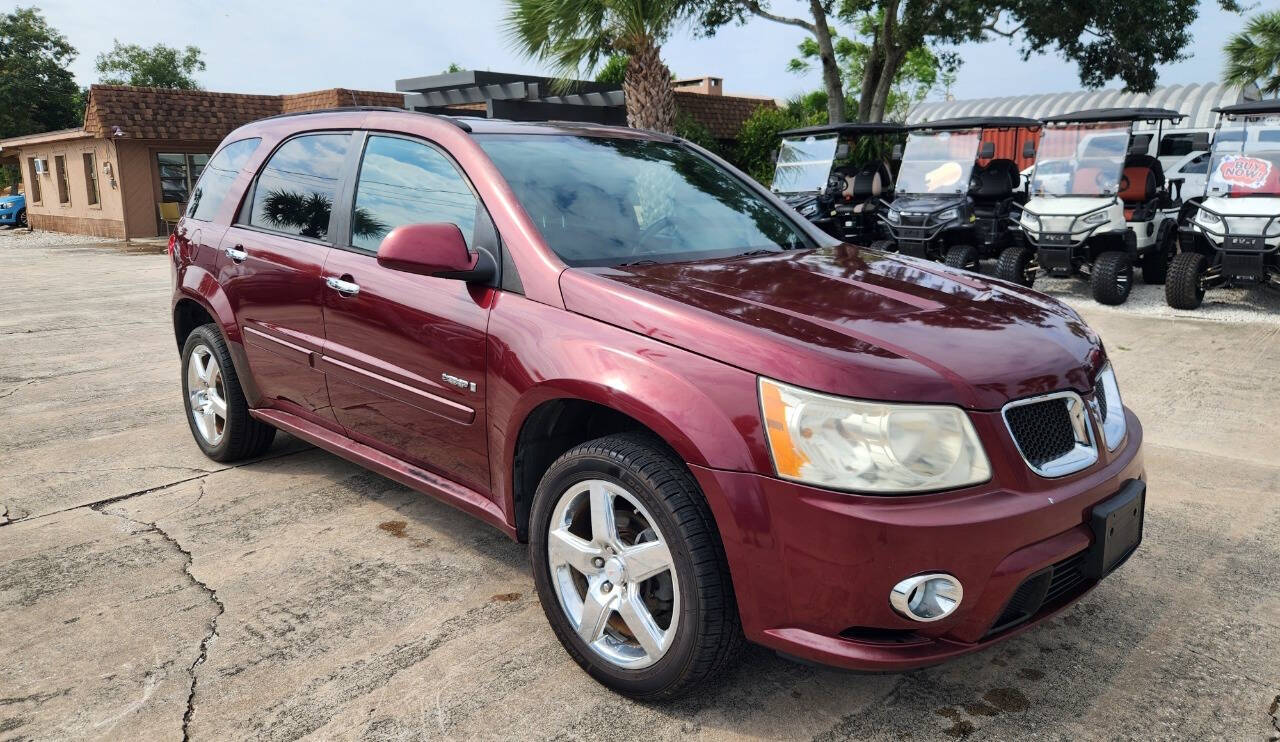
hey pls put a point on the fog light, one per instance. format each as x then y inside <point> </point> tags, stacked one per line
<point>926,597</point>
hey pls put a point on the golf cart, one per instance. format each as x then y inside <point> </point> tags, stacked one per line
<point>835,176</point>
<point>1112,209</point>
<point>955,191</point>
<point>1232,233</point>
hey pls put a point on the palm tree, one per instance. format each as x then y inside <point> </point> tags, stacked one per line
<point>575,35</point>
<point>1253,56</point>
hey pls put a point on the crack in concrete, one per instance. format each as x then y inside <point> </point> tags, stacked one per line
<point>1274,712</point>
<point>211,634</point>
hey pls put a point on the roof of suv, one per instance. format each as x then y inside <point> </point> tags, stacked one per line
<point>480,125</point>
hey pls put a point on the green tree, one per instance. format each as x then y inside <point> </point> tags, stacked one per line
<point>452,68</point>
<point>614,70</point>
<point>157,67</point>
<point>1253,56</point>
<point>37,92</point>
<point>575,35</point>
<point>1106,39</point>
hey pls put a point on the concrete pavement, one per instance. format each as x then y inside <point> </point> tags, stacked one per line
<point>147,592</point>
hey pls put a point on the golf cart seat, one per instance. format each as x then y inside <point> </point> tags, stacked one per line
<point>866,185</point>
<point>992,186</point>
<point>1140,187</point>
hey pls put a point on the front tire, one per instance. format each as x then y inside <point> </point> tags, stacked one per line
<point>962,256</point>
<point>217,412</point>
<point>630,570</point>
<point>1112,278</point>
<point>1014,266</point>
<point>1184,288</point>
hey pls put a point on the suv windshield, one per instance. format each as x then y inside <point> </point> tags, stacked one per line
<point>611,201</point>
<point>1080,160</point>
<point>1246,158</point>
<point>938,161</point>
<point>804,164</point>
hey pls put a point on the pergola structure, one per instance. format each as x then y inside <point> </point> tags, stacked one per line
<point>515,97</point>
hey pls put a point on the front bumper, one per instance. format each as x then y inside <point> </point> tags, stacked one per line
<point>8,217</point>
<point>812,569</point>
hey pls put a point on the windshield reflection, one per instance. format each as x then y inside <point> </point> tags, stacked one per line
<point>1084,159</point>
<point>1246,158</point>
<point>804,164</point>
<point>938,162</point>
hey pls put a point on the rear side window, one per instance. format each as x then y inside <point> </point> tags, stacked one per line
<point>407,182</point>
<point>214,184</point>
<point>296,187</point>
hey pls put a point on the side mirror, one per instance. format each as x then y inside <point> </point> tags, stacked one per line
<point>1028,149</point>
<point>433,250</point>
<point>987,150</point>
<point>896,154</point>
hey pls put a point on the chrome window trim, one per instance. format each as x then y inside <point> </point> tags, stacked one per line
<point>1085,452</point>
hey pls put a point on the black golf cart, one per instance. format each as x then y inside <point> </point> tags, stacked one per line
<point>835,176</point>
<point>1231,235</point>
<point>956,189</point>
<point>1099,204</point>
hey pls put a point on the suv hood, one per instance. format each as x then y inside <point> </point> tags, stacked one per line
<point>854,322</point>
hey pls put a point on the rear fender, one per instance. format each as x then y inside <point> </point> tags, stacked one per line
<point>199,285</point>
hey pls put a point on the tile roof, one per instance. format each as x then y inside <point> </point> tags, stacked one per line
<point>723,115</point>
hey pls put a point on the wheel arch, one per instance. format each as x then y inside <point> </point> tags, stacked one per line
<point>198,300</point>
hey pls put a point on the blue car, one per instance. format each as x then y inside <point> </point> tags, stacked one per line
<point>13,210</point>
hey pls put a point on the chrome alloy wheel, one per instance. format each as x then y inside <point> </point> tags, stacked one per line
<point>613,573</point>
<point>206,395</point>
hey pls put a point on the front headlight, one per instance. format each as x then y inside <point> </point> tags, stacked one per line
<point>948,215</point>
<point>894,216</point>
<point>872,447</point>
<point>809,209</point>
<point>1207,218</point>
<point>1030,221</point>
<point>1113,424</point>
<point>1097,218</point>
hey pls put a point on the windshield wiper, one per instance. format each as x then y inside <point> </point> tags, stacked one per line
<point>645,261</point>
<point>749,253</point>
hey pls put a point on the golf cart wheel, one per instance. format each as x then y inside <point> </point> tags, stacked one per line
<point>885,246</point>
<point>216,408</point>
<point>1155,264</point>
<point>630,569</point>
<point>1015,266</point>
<point>1112,278</point>
<point>22,219</point>
<point>1185,287</point>
<point>962,256</point>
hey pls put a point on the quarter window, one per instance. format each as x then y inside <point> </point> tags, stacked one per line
<point>296,187</point>
<point>407,182</point>
<point>215,182</point>
<point>91,177</point>
<point>64,185</point>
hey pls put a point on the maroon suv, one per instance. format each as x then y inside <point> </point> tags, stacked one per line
<point>708,419</point>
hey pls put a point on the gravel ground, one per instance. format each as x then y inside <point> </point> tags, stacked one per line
<point>10,237</point>
<point>1250,304</point>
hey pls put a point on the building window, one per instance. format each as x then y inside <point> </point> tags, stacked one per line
<point>33,181</point>
<point>64,185</point>
<point>178,175</point>
<point>91,177</point>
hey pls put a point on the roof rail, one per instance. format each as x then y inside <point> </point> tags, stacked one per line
<point>390,109</point>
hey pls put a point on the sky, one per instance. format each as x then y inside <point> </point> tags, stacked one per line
<point>291,46</point>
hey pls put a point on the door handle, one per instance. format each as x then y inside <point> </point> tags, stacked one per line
<point>346,288</point>
<point>237,253</point>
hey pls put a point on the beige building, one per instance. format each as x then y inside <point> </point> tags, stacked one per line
<point>139,154</point>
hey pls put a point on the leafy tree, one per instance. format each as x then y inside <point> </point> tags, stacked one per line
<point>37,92</point>
<point>158,67</point>
<point>1253,56</point>
<point>614,70</point>
<point>688,127</point>
<point>453,67</point>
<point>1106,39</point>
<point>575,35</point>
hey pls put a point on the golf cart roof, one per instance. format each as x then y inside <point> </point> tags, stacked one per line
<point>977,122</point>
<point>1115,114</point>
<point>1253,106</point>
<point>852,128</point>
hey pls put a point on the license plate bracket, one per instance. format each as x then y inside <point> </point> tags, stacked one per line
<point>1117,529</point>
<point>1245,242</point>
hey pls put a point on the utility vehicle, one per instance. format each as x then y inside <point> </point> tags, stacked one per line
<point>1111,210</point>
<point>708,419</point>
<point>836,176</point>
<point>1231,234</point>
<point>956,190</point>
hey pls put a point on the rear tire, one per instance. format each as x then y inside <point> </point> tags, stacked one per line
<point>885,246</point>
<point>650,496</point>
<point>1155,264</point>
<point>1112,278</point>
<point>1184,288</point>
<point>216,410</point>
<point>962,256</point>
<point>1014,266</point>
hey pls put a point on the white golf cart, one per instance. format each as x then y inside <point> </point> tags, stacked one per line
<point>1232,234</point>
<point>1099,203</point>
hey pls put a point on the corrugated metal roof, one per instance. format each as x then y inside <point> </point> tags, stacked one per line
<point>1197,101</point>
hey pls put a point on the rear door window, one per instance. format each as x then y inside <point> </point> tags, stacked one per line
<point>296,188</point>
<point>403,181</point>
<point>215,182</point>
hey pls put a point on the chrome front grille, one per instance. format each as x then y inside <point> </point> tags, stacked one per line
<point>1052,433</point>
